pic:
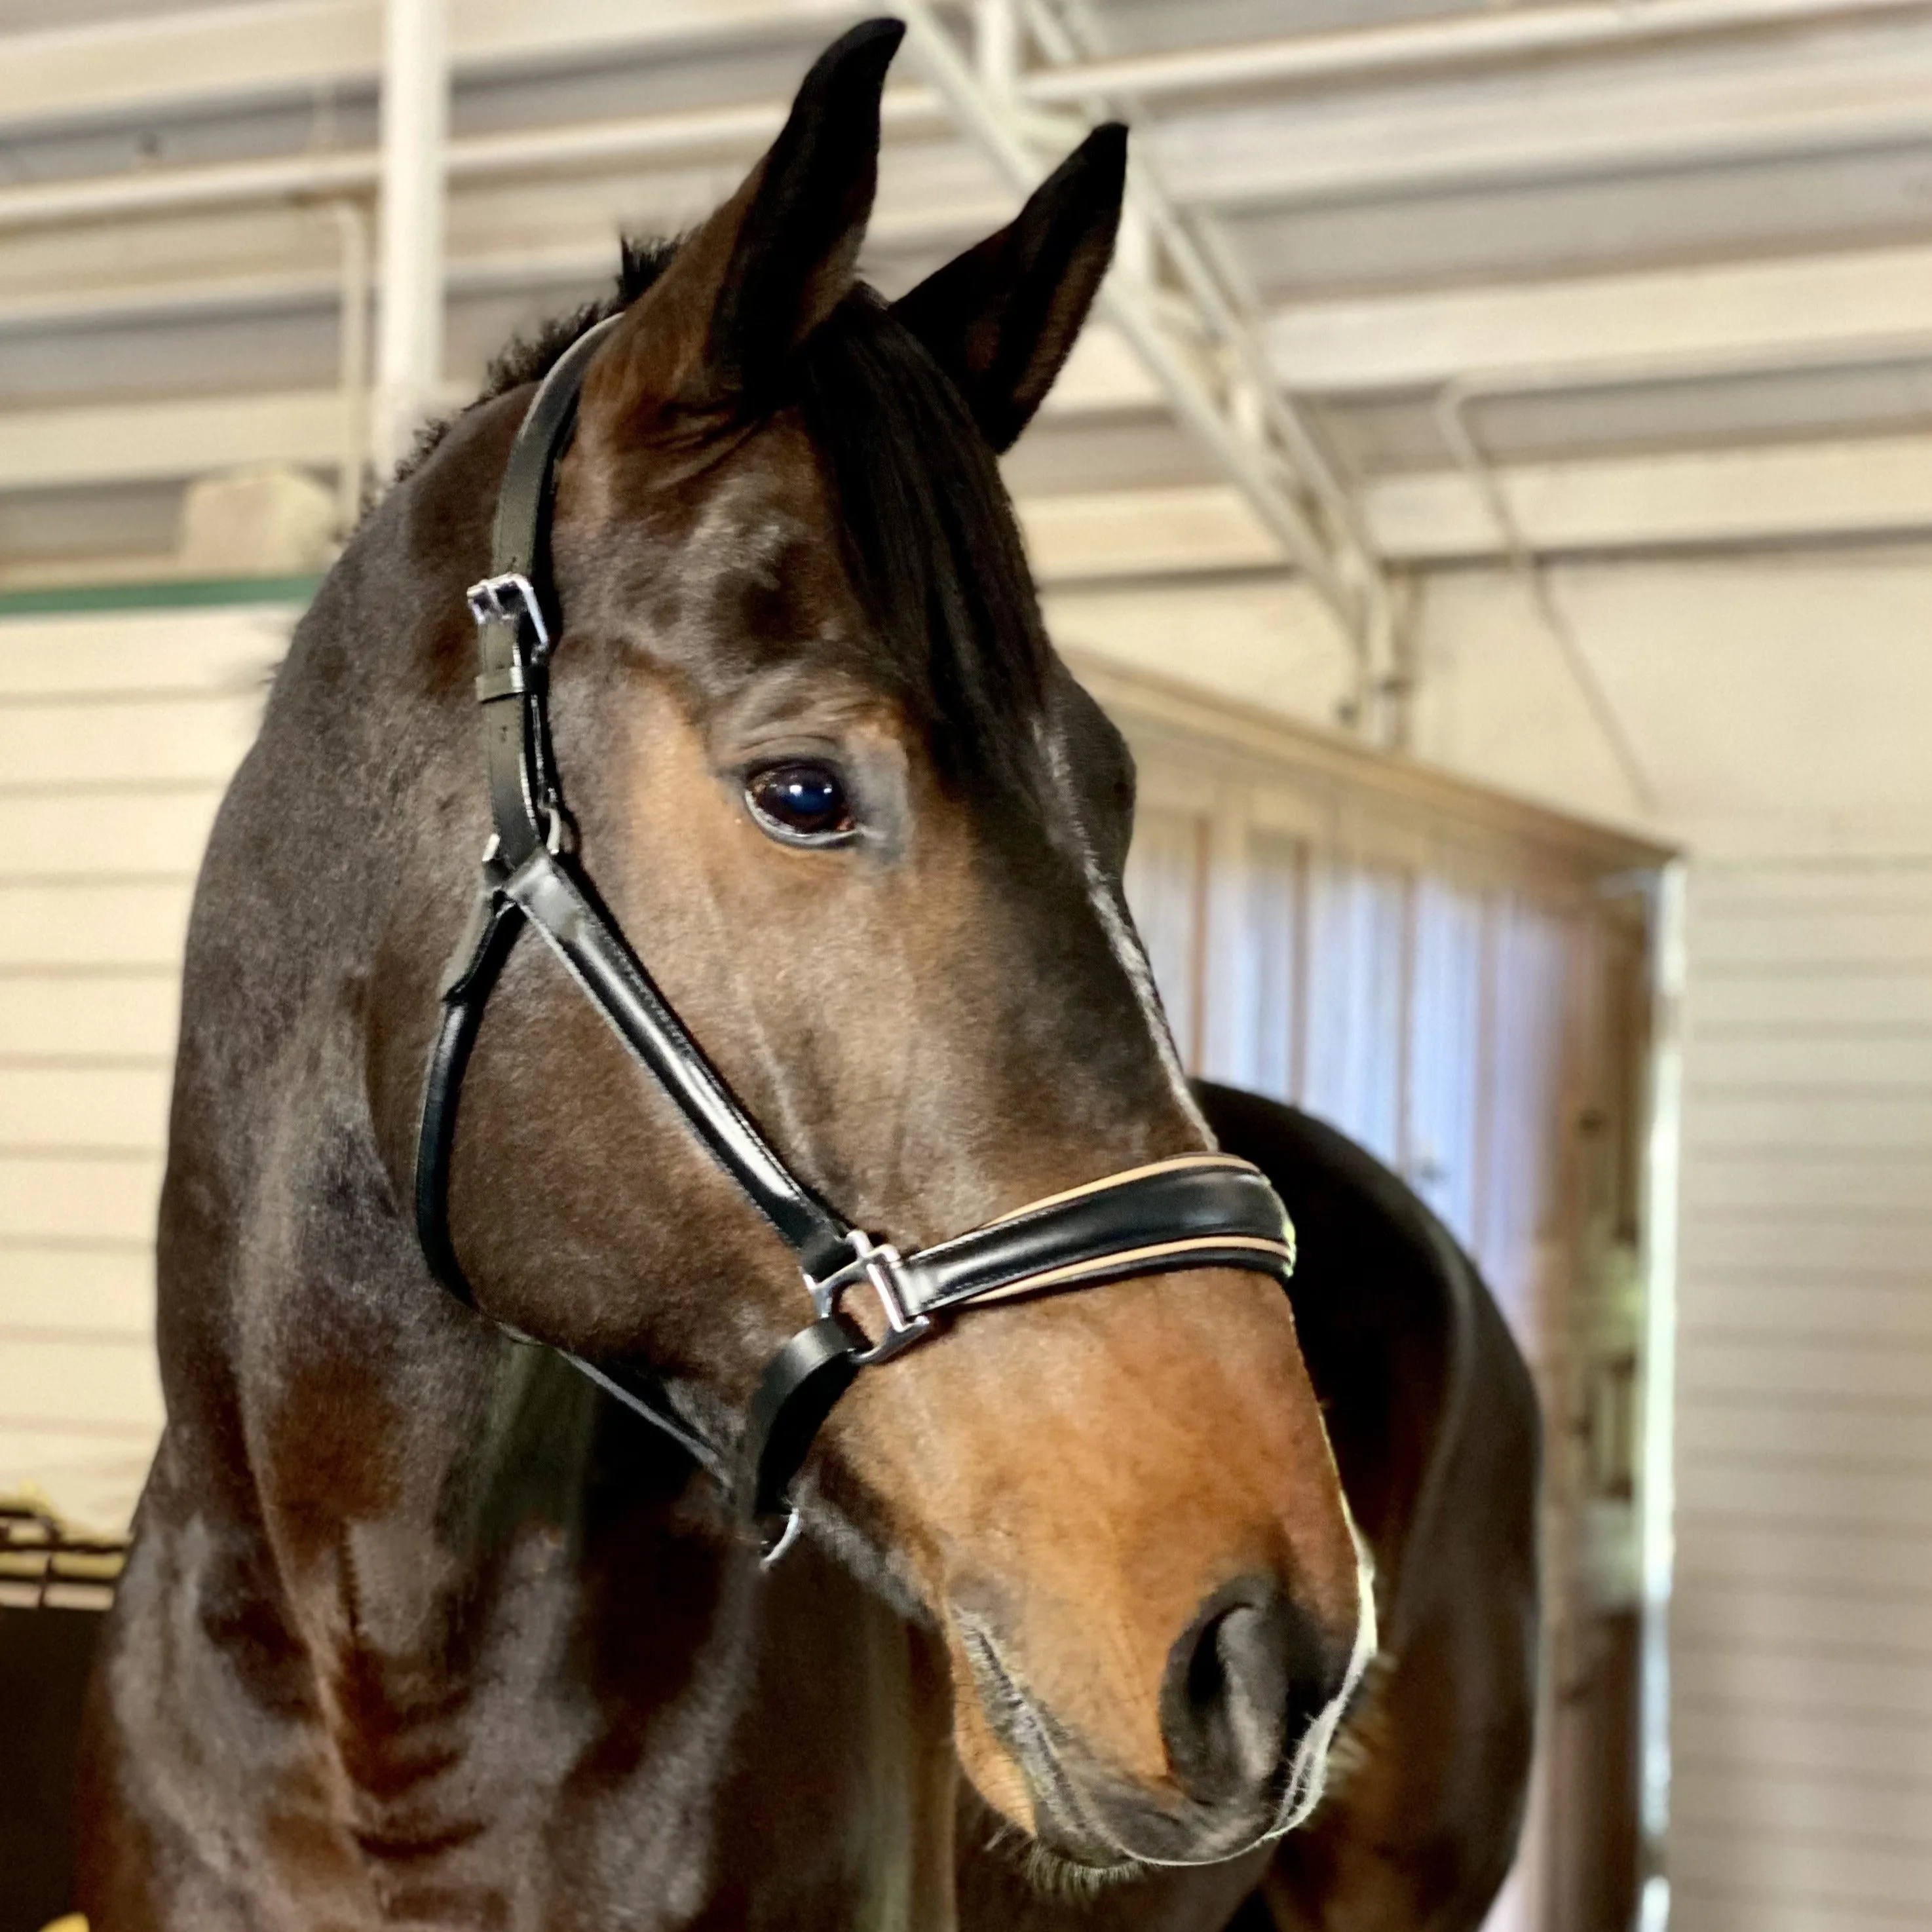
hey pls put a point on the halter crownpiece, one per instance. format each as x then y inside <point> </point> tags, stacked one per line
<point>1196,1210</point>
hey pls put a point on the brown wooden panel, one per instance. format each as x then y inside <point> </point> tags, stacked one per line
<point>1750,1550</point>
<point>111,655</point>
<point>61,1381</point>
<point>1737,1362</point>
<point>73,1287</point>
<point>1813,1618</point>
<point>1732,1798</point>
<point>1769,1425</point>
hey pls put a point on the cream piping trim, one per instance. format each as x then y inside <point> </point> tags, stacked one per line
<point>1164,1251</point>
<point>1172,1164</point>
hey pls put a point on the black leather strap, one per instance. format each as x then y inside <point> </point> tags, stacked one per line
<point>800,1387</point>
<point>1204,1211</point>
<point>1195,1211</point>
<point>594,951</point>
<point>493,932</point>
<point>517,619</point>
<point>521,540</point>
<point>647,1398</point>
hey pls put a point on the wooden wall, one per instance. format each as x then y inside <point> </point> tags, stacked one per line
<point>118,733</point>
<point>1464,987</point>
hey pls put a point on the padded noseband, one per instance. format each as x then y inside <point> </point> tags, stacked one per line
<point>1199,1211</point>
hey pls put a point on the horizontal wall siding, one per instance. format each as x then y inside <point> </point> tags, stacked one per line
<point>1802,1624</point>
<point>118,735</point>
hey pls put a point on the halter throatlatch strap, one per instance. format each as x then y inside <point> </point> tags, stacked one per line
<point>1197,1211</point>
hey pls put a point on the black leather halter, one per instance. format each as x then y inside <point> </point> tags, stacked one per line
<point>1199,1211</point>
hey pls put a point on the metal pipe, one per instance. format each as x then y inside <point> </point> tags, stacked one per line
<point>996,46</point>
<point>182,191</point>
<point>1523,562</point>
<point>694,134</point>
<point>353,352</point>
<point>1132,317</point>
<point>416,122</point>
<point>1458,397</point>
<point>727,132</point>
<point>1656,1484</point>
<point>197,52</point>
<point>1215,282</point>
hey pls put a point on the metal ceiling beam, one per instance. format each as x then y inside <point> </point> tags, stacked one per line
<point>738,131</point>
<point>1872,487</point>
<point>416,124</point>
<point>1183,370</point>
<point>1871,98</point>
<point>188,61</point>
<point>1785,312</point>
<point>1410,48</point>
<point>1784,309</point>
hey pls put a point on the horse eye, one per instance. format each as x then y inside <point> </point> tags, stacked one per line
<point>800,802</point>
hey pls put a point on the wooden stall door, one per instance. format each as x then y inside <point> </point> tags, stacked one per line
<point>1475,1021</point>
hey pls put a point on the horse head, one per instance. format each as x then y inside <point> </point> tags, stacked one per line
<point>868,834</point>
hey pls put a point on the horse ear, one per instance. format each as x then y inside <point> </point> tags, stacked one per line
<point>1002,318</point>
<point>750,283</point>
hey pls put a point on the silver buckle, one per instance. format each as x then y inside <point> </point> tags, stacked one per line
<point>878,1264</point>
<point>793,1524</point>
<point>512,596</point>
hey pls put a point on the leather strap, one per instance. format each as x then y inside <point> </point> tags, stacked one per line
<point>801,1385</point>
<point>493,932</point>
<point>556,903</point>
<point>1207,1210</point>
<point>1197,1211</point>
<point>521,538</point>
<point>517,619</point>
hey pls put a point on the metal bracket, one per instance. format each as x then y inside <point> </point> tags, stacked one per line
<point>879,1264</point>
<point>510,598</point>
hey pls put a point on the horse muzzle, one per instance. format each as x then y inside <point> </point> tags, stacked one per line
<point>1248,1704</point>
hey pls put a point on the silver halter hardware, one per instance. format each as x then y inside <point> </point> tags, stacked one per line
<point>879,1264</point>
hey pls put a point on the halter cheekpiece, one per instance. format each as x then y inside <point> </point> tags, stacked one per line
<point>1199,1211</point>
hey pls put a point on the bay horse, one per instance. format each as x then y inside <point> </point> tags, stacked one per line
<point>1081,1603</point>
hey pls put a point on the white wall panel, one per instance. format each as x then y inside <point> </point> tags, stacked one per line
<point>1717,1733</point>
<point>1802,1627</point>
<point>120,1013</point>
<point>117,735</point>
<point>1358,970</point>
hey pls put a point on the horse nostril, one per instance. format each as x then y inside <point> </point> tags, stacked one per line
<point>1242,1682</point>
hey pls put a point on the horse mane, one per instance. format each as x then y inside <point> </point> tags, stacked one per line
<point>927,532</point>
<point>529,357</point>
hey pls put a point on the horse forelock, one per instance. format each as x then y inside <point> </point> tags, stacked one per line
<point>930,542</point>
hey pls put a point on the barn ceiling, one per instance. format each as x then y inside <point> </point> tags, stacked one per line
<point>1590,277</point>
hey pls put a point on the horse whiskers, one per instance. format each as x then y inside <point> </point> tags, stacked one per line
<point>1052,1875</point>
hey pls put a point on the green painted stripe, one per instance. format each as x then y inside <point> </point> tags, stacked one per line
<point>187,593</point>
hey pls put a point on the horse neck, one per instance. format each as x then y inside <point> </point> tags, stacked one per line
<point>457,1538</point>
